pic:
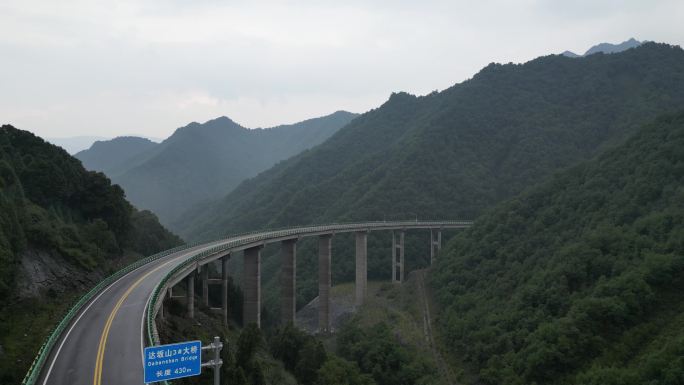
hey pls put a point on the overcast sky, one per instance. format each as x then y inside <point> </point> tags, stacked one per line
<point>108,68</point>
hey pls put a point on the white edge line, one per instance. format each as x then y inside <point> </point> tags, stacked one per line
<point>142,332</point>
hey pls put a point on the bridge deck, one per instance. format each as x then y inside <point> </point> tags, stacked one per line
<point>104,342</point>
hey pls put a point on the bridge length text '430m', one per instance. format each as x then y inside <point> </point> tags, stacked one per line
<point>82,349</point>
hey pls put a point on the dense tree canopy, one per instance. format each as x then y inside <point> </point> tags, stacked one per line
<point>365,357</point>
<point>580,279</point>
<point>378,353</point>
<point>50,204</point>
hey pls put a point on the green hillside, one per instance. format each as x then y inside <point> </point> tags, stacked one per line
<point>202,162</point>
<point>580,279</point>
<point>451,154</point>
<point>62,229</point>
<point>456,152</point>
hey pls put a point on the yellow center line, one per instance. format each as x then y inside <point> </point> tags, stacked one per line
<point>97,377</point>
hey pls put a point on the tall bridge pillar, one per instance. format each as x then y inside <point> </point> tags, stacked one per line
<point>288,281</point>
<point>251,282</point>
<point>361,266</point>
<point>224,287</point>
<point>324,246</point>
<point>190,293</point>
<point>205,285</point>
<point>435,243</point>
<point>398,256</point>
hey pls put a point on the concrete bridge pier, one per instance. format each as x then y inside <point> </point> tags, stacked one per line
<point>205,285</point>
<point>361,266</point>
<point>288,250</point>
<point>171,295</point>
<point>251,282</point>
<point>190,293</point>
<point>324,249</point>
<point>224,287</point>
<point>398,256</point>
<point>435,243</point>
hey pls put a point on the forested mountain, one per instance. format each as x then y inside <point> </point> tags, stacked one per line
<point>62,229</point>
<point>112,156</point>
<point>201,162</point>
<point>451,154</point>
<point>456,152</point>
<point>580,279</point>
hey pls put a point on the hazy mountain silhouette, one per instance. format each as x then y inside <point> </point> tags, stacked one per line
<point>111,156</point>
<point>205,161</point>
<point>74,144</point>
<point>606,48</point>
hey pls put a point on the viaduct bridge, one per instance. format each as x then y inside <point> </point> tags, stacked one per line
<point>101,338</point>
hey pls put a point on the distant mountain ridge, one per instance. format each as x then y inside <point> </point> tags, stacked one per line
<point>606,48</point>
<point>201,162</point>
<point>109,156</point>
<point>74,144</point>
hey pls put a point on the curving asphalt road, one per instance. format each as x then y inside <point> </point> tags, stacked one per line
<point>104,343</point>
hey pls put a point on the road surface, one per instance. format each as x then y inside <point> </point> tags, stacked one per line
<point>103,345</point>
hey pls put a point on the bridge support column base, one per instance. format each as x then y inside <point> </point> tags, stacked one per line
<point>435,244</point>
<point>324,249</point>
<point>288,281</point>
<point>361,267</point>
<point>224,287</point>
<point>398,257</point>
<point>251,282</point>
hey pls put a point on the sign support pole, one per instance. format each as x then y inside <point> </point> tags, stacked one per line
<point>216,363</point>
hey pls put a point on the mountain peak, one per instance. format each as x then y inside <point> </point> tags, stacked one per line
<point>400,97</point>
<point>222,120</point>
<point>109,155</point>
<point>606,48</point>
<point>613,48</point>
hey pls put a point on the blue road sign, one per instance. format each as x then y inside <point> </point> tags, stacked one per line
<point>166,362</point>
